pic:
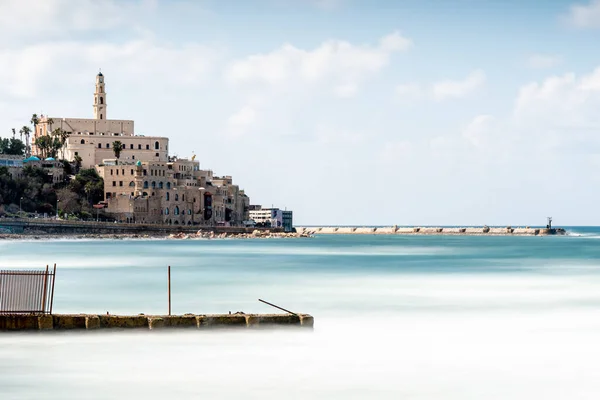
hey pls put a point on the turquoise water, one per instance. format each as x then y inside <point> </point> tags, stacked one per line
<point>419,317</point>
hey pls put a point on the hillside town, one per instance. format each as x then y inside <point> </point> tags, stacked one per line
<point>141,181</point>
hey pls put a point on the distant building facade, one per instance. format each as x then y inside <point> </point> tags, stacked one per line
<point>272,217</point>
<point>15,165</point>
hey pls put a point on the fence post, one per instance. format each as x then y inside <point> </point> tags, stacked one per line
<point>52,294</point>
<point>169,275</point>
<point>45,290</point>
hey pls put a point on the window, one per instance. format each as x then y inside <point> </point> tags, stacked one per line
<point>76,153</point>
<point>168,185</point>
<point>117,171</point>
<point>99,145</point>
<point>167,211</point>
<point>194,199</point>
<point>131,172</point>
<point>114,183</point>
<point>160,185</point>
<point>139,146</point>
<point>147,147</point>
<point>131,146</point>
<point>153,185</point>
<point>156,145</point>
<point>121,183</point>
<point>100,116</point>
<point>107,146</point>
<point>101,102</point>
<point>167,196</point>
<point>183,197</point>
<point>176,211</point>
<point>111,171</point>
<point>176,197</point>
<point>145,184</point>
<point>123,172</point>
<point>131,184</point>
<point>145,172</point>
<point>82,141</point>
<point>156,154</point>
<point>189,212</point>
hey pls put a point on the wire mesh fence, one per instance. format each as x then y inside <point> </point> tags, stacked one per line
<point>27,292</point>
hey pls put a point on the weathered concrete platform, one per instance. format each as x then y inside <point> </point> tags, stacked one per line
<point>99,321</point>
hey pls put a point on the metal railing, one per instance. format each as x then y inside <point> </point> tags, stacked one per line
<point>27,292</point>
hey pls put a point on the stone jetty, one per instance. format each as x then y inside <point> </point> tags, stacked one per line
<point>58,322</point>
<point>257,234</point>
<point>427,230</point>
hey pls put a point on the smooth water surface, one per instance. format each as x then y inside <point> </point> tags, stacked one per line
<point>416,317</point>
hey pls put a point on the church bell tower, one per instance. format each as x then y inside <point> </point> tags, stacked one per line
<point>100,98</point>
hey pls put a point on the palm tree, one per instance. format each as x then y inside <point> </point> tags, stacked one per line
<point>62,136</point>
<point>15,132</point>
<point>26,131</point>
<point>117,149</point>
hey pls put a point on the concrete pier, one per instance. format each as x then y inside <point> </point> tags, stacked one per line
<point>59,322</point>
<point>429,230</point>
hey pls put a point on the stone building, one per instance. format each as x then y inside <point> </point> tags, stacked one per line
<point>176,192</point>
<point>92,139</point>
<point>15,164</point>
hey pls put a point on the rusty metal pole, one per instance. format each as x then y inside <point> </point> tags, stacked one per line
<point>273,305</point>
<point>52,295</point>
<point>169,274</point>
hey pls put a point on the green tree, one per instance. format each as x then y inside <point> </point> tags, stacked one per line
<point>117,149</point>
<point>12,146</point>
<point>26,131</point>
<point>78,160</point>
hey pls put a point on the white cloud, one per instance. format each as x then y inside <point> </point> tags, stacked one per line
<point>25,72</point>
<point>242,120</point>
<point>442,90</point>
<point>29,18</point>
<point>455,89</point>
<point>477,130</point>
<point>541,61</point>
<point>328,134</point>
<point>560,101</point>
<point>585,15</point>
<point>335,62</point>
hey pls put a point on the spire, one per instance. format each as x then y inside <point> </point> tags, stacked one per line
<point>100,97</point>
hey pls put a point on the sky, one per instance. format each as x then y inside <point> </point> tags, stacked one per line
<point>347,112</point>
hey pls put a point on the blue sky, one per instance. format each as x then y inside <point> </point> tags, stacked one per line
<point>346,111</point>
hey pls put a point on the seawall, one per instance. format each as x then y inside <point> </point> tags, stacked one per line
<point>394,230</point>
<point>54,227</point>
<point>57,322</point>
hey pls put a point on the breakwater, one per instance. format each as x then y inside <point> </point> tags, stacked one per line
<point>11,322</point>
<point>395,230</point>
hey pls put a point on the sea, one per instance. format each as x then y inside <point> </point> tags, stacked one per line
<point>396,317</point>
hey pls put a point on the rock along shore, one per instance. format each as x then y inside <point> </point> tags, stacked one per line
<point>262,234</point>
<point>473,231</point>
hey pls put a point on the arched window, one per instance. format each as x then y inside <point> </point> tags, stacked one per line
<point>156,145</point>
<point>107,145</point>
<point>153,185</point>
<point>189,212</point>
<point>176,212</point>
<point>100,116</point>
<point>131,184</point>
<point>101,101</point>
<point>82,141</point>
<point>160,185</point>
<point>145,184</point>
<point>167,211</point>
<point>194,199</point>
<point>131,147</point>
<point>168,185</point>
<point>99,145</point>
<point>176,197</point>
<point>183,197</point>
<point>167,196</point>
